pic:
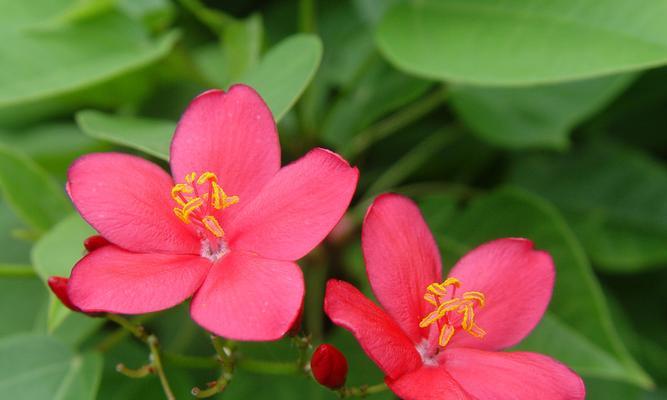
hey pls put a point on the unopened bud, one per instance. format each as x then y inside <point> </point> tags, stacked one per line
<point>58,286</point>
<point>329,366</point>
<point>95,242</point>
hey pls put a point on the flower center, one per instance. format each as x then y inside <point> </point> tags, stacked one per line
<point>447,308</point>
<point>198,199</point>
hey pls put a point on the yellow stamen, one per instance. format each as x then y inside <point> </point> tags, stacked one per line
<point>213,226</point>
<point>464,305</point>
<point>198,197</point>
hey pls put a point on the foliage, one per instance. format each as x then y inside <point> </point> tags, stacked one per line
<point>539,119</point>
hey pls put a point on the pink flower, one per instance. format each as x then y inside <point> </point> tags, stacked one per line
<point>226,229</point>
<point>441,340</point>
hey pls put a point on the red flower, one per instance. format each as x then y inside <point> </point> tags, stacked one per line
<point>441,340</point>
<point>227,228</point>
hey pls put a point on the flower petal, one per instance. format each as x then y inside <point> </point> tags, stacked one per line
<point>380,337</point>
<point>246,297</point>
<point>113,280</point>
<point>402,259</point>
<point>297,209</point>
<point>520,375</point>
<point>428,383</point>
<point>127,199</point>
<point>516,280</point>
<point>231,134</point>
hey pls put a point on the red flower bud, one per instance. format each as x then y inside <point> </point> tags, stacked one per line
<point>58,286</point>
<point>329,366</point>
<point>95,242</point>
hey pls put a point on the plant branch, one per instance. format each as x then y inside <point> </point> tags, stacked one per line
<point>361,391</point>
<point>394,123</point>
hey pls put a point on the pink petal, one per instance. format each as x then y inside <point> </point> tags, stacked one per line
<point>517,282</point>
<point>113,280</point>
<point>402,259</point>
<point>380,337</point>
<point>127,199</point>
<point>520,376</point>
<point>231,134</point>
<point>428,383</point>
<point>297,209</point>
<point>246,297</point>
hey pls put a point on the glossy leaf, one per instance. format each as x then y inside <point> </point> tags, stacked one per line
<point>41,367</point>
<point>285,72</point>
<point>578,302</point>
<point>21,315</point>
<point>615,199</point>
<point>46,54</point>
<point>55,254</point>
<point>536,116</point>
<point>33,195</point>
<point>515,42</point>
<point>152,136</point>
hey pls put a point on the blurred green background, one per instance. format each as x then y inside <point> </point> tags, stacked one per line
<point>545,119</point>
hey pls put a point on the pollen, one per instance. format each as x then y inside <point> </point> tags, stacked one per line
<point>447,306</point>
<point>198,200</point>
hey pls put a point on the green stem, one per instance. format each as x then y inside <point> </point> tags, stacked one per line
<point>394,123</point>
<point>361,391</point>
<point>137,330</point>
<point>316,275</point>
<point>404,167</point>
<point>16,271</point>
<point>186,361</point>
<point>156,363</point>
<point>268,367</point>
<point>307,18</point>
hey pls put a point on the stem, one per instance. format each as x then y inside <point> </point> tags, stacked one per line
<point>307,16</point>
<point>316,276</point>
<point>137,330</point>
<point>394,123</point>
<point>16,271</point>
<point>186,361</point>
<point>361,391</point>
<point>225,352</point>
<point>156,363</point>
<point>268,367</point>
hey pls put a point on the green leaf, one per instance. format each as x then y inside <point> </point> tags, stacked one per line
<point>515,42</point>
<point>380,90</point>
<point>614,198</point>
<point>285,72</point>
<point>31,193</point>
<point>55,254</point>
<point>21,303</point>
<point>538,116</point>
<point>583,317</point>
<point>242,45</point>
<point>80,53</point>
<point>152,136</point>
<point>41,367</point>
<point>280,78</point>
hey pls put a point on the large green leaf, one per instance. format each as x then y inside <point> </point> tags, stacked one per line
<point>285,72</point>
<point>55,254</point>
<point>280,78</point>
<point>581,319</point>
<point>615,199</point>
<point>152,136</point>
<point>49,49</point>
<point>22,301</point>
<point>533,116</point>
<point>512,42</point>
<point>32,194</point>
<point>41,367</point>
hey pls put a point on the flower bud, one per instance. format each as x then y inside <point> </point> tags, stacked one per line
<point>95,242</point>
<point>329,366</point>
<point>58,286</point>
